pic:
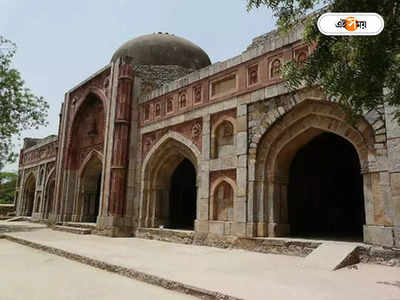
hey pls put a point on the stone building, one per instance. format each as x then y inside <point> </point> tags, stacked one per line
<point>160,137</point>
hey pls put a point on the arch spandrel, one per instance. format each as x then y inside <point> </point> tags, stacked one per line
<point>172,140</point>
<point>317,114</point>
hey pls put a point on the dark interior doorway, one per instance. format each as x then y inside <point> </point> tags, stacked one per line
<point>183,195</point>
<point>30,195</point>
<point>91,190</point>
<point>325,196</point>
<point>50,198</point>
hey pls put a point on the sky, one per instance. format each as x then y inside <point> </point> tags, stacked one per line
<point>61,43</point>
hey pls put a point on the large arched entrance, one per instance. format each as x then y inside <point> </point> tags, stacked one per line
<point>84,158</point>
<point>307,173</point>
<point>325,190</point>
<point>90,183</point>
<point>30,188</point>
<point>169,195</point>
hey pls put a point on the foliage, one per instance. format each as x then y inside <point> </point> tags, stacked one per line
<point>8,182</point>
<point>19,108</point>
<point>362,72</point>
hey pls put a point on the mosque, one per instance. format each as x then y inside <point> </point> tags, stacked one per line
<point>162,139</point>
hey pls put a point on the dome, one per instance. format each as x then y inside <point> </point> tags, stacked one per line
<point>163,49</point>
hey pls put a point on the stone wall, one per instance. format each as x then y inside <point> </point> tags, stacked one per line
<point>5,209</point>
<point>154,77</point>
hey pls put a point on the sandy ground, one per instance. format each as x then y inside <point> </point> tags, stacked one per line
<point>31,274</point>
<point>243,274</point>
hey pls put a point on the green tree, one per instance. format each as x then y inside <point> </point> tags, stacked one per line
<point>362,72</point>
<point>19,108</point>
<point>8,182</point>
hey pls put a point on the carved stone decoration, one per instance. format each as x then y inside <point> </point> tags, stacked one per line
<point>182,100</point>
<point>158,109</point>
<point>301,57</point>
<point>44,152</point>
<point>197,94</point>
<point>170,104</point>
<point>276,68</point>
<point>253,75</point>
<point>147,112</point>
<point>148,143</point>
<point>192,130</point>
<point>196,130</point>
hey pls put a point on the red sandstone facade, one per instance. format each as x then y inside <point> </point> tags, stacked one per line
<point>218,150</point>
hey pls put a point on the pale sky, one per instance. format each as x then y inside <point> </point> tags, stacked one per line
<point>61,43</point>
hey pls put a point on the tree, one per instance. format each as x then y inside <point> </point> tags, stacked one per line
<point>19,108</point>
<point>8,182</point>
<point>362,72</point>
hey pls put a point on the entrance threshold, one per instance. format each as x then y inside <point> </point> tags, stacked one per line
<point>319,240</point>
<point>88,225</point>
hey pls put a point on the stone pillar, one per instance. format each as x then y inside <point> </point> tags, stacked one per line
<point>55,214</point>
<point>393,146</point>
<point>277,205</point>
<point>241,210</point>
<point>112,221</point>
<point>121,141</point>
<point>203,179</point>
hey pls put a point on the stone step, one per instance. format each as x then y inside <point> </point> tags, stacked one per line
<point>70,229</point>
<point>19,219</point>
<point>80,225</point>
<point>331,256</point>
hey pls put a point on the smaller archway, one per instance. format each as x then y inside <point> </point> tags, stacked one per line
<point>29,195</point>
<point>169,195</point>
<point>222,202</point>
<point>50,188</point>
<point>281,145</point>
<point>89,190</point>
<point>223,139</point>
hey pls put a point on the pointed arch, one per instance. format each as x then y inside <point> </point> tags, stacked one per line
<point>280,143</point>
<point>88,91</point>
<point>91,155</point>
<point>49,190</point>
<point>173,136</point>
<point>29,194</point>
<point>87,126</point>
<point>172,151</point>
<point>88,194</point>
<point>222,205</point>
<point>219,140</point>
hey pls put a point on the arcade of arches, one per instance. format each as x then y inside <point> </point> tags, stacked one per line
<point>225,150</point>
